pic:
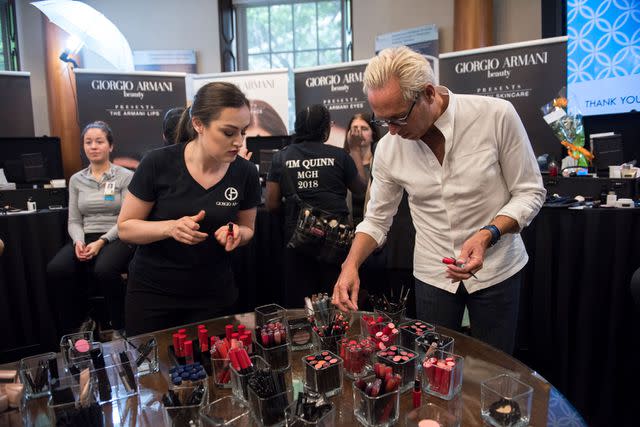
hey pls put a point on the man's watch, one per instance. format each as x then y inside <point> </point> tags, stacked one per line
<point>495,233</point>
<point>105,240</point>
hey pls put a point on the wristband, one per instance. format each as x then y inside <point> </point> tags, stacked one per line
<point>105,240</point>
<point>495,233</point>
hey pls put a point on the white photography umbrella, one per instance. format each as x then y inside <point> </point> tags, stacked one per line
<point>90,27</point>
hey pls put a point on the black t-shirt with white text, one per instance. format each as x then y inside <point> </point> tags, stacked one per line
<point>318,173</point>
<point>172,267</point>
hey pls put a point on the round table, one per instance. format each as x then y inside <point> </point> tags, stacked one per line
<point>481,362</point>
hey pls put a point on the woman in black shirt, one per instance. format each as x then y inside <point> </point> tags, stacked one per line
<point>180,202</point>
<point>320,175</point>
<point>361,128</point>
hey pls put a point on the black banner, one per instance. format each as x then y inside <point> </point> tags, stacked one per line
<point>528,74</point>
<point>338,88</point>
<point>133,104</point>
<point>16,112</point>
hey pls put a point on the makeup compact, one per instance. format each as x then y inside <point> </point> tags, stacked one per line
<point>301,333</point>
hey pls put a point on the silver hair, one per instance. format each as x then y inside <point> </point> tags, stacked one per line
<point>411,69</point>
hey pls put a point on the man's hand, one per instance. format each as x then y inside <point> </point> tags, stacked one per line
<point>185,229</point>
<point>471,257</point>
<point>345,291</point>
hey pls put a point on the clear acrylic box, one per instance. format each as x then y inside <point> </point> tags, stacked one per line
<point>379,411</point>
<point>34,374</point>
<point>117,380</point>
<point>278,357</point>
<point>327,420</point>
<point>327,379</point>
<point>187,414</point>
<point>270,411</point>
<point>145,350</point>
<point>413,329</point>
<point>442,374</point>
<point>75,408</point>
<point>221,372</point>
<point>358,355</point>
<point>68,341</point>
<point>226,411</point>
<point>396,317</point>
<point>328,343</point>
<point>443,342</point>
<point>271,313</point>
<point>239,381</point>
<point>403,361</point>
<point>505,401</point>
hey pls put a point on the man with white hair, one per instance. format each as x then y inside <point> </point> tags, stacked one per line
<point>473,184</point>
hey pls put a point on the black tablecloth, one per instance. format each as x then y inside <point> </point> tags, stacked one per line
<point>31,240</point>
<point>577,311</point>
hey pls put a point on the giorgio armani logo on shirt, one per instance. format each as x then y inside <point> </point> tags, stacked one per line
<point>231,194</point>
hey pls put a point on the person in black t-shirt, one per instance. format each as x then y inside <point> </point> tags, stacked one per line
<point>180,202</point>
<point>320,175</point>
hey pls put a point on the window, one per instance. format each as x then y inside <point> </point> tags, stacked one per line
<point>8,37</point>
<point>292,34</point>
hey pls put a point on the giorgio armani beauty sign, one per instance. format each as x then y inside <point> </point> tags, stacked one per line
<point>528,74</point>
<point>133,104</point>
<point>339,88</point>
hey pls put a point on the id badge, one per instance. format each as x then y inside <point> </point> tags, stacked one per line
<point>110,191</point>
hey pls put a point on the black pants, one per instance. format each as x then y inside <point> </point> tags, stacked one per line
<point>303,276</point>
<point>493,312</point>
<point>71,281</point>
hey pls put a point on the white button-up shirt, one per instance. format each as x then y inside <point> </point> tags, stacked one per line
<point>489,169</point>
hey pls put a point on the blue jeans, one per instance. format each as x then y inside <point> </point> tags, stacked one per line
<point>493,312</point>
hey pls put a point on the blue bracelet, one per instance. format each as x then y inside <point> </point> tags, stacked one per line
<point>495,233</point>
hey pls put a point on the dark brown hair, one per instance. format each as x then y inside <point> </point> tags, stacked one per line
<point>98,124</point>
<point>207,106</point>
<point>367,118</point>
<point>263,115</point>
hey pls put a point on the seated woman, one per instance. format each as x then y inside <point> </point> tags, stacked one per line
<point>323,186</point>
<point>95,252</point>
<point>189,205</point>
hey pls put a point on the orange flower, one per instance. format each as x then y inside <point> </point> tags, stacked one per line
<point>560,102</point>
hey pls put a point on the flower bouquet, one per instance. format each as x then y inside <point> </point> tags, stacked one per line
<point>567,128</point>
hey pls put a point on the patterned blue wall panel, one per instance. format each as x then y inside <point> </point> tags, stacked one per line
<point>603,55</point>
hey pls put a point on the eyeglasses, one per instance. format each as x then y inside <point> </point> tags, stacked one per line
<point>396,122</point>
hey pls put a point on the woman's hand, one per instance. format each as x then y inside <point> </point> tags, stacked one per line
<point>355,139</point>
<point>93,249</point>
<point>185,229</point>
<point>80,251</point>
<point>227,238</point>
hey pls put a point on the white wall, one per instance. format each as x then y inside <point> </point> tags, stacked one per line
<point>513,21</point>
<point>516,21</point>
<point>31,49</point>
<point>164,24</point>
